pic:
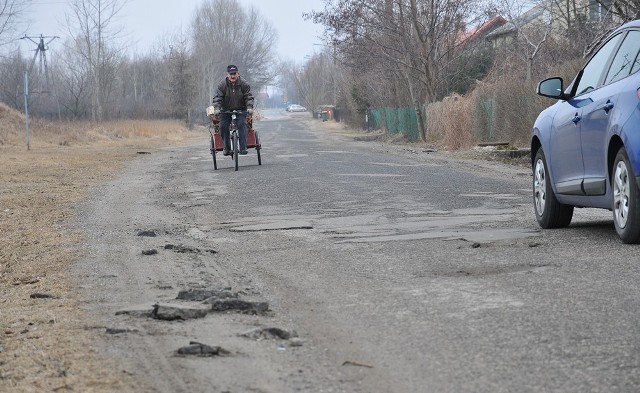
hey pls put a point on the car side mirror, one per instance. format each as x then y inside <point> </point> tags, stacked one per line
<point>552,87</point>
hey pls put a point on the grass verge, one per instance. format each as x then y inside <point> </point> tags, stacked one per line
<point>46,343</point>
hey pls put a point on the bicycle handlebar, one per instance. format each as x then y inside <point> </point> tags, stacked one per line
<point>234,112</point>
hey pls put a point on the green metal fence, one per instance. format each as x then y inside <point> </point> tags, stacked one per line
<point>485,119</point>
<point>398,120</point>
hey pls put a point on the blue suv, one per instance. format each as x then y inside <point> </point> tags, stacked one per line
<point>585,148</point>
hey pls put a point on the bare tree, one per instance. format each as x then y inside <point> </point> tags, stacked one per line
<point>224,33</point>
<point>523,38</point>
<point>412,41</point>
<point>10,16</point>
<point>73,84</point>
<point>181,87</point>
<point>583,24</point>
<point>316,82</point>
<point>12,80</point>
<point>626,10</point>
<point>96,39</point>
<point>144,85</point>
<point>550,32</point>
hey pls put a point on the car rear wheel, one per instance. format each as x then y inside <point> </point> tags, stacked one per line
<point>549,212</point>
<point>626,203</point>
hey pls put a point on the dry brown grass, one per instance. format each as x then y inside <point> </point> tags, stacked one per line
<point>46,344</point>
<point>113,133</point>
<point>502,111</point>
<point>450,122</point>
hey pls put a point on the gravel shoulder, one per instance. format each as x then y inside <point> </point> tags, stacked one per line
<point>47,342</point>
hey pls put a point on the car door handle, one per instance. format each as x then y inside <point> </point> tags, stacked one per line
<point>576,119</point>
<point>608,106</point>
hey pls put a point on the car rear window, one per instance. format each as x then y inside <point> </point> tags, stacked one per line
<point>594,70</point>
<point>626,60</point>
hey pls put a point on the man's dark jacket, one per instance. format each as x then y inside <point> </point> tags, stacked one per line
<point>233,96</point>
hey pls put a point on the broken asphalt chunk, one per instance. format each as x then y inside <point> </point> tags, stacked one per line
<point>138,312</point>
<point>41,296</point>
<point>167,312</point>
<point>152,251</point>
<point>238,305</point>
<point>198,295</point>
<point>147,233</point>
<point>198,349</point>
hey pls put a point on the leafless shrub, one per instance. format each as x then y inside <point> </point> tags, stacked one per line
<point>500,110</point>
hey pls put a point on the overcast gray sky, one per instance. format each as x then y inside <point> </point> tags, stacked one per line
<point>147,20</point>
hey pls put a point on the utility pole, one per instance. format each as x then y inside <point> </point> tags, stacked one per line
<point>26,108</point>
<point>41,50</point>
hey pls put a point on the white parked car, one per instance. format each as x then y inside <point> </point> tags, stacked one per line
<point>296,108</point>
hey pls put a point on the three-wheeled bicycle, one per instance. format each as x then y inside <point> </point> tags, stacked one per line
<point>216,143</point>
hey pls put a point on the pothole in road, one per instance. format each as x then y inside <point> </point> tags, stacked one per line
<point>212,301</point>
<point>182,249</point>
<point>147,233</point>
<point>475,225</point>
<point>269,333</point>
<point>273,226</point>
<point>489,271</point>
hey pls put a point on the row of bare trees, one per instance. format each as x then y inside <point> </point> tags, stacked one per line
<point>377,53</point>
<point>409,53</point>
<point>93,75</point>
<point>399,52</point>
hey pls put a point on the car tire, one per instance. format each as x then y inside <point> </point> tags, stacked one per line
<point>626,199</point>
<point>549,212</point>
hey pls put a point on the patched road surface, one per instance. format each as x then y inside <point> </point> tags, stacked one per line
<point>343,266</point>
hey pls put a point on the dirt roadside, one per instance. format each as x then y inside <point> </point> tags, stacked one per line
<point>45,339</point>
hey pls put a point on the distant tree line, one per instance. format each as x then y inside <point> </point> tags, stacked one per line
<point>92,75</point>
<point>375,54</point>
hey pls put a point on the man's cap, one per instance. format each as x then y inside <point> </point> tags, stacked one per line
<point>232,69</point>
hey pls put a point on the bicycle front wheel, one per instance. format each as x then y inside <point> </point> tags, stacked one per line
<point>236,150</point>
<point>213,152</point>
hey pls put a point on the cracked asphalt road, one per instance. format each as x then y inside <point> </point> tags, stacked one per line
<point>399,272</point>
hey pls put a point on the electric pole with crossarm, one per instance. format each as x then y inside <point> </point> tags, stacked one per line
<point>41,50</point>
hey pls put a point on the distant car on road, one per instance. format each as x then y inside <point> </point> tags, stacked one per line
<point>296,108</point>
<point>586,147</point>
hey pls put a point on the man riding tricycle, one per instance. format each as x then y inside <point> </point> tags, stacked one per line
<point>231,117</point>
